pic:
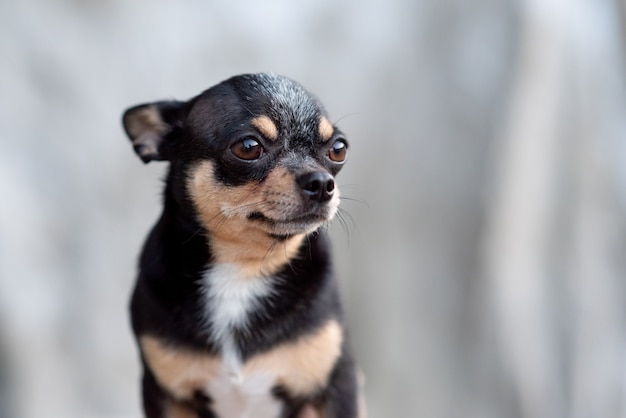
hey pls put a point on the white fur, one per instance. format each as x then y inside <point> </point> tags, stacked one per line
<point>229,300</point>
<point>246,397</point>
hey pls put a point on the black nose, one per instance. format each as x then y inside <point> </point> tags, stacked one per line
<point>318,185</point>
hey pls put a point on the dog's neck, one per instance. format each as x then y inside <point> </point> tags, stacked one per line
<point>253,251</point>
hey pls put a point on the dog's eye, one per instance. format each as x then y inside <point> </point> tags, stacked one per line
<point>338,151</point>
<point>247,149</point>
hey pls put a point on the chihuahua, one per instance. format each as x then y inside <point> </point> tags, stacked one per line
<point>236,308</point>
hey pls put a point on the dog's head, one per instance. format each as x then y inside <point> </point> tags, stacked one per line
<point>254,154</point>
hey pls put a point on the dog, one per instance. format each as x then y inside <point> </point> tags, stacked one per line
<point>236,309</point>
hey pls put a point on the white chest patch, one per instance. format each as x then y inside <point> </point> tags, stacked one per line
<point>230,298</point>
<point>244,397</point>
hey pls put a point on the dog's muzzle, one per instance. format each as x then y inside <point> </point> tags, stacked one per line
<point>318,186</point>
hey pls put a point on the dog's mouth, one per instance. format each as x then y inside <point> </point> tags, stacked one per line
<point>288,227</point>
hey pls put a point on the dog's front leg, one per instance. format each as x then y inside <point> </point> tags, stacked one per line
<point>154,399</point>
<point>343,397</point>
<point>157,404</point>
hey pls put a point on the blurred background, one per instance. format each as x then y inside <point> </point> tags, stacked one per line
<point>483,263</point>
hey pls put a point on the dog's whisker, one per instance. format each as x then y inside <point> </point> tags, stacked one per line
<point>270,249</point>
<point>347,116</point>
<point>351,198</point>
<point>195,234</point>
<point>347,222</point>
<point>355,200</point>
<point>343,214</point>
<point>343,223</point>
<point>248,109</point>
<point>225,214</point>
<point>257,205</point>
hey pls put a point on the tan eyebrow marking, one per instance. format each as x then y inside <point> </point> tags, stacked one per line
<point>326,129</point>
<point>266,126</point>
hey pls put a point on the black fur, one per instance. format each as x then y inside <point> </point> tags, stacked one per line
<point>168,302</point>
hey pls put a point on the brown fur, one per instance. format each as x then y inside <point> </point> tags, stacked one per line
<point>146,128</point>
<point>266,126</point>
<point>176,410</point>
<point>326,129</point>
<point>178,370</point>
<point>145,119</point>
<point>301,366</point>
<point>234,239</point>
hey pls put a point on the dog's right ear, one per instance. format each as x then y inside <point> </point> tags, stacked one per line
<point>149,126</point>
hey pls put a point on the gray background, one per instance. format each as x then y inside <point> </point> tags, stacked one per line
<point>484,261</point>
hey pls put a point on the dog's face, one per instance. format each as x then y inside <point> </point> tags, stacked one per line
<point>255,154</point>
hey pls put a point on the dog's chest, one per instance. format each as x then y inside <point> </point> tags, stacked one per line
<point>235,394</point>
<point>235,390</point>
<point>229,300</point>
<point>243,388</point>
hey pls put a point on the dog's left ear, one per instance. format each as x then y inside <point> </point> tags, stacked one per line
<point>150,126</point>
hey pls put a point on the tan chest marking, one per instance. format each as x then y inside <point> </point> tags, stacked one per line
<point>180,371</point>
<point>302,366</point>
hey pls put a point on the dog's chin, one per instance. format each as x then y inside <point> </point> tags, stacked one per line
<point>290,226</point>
